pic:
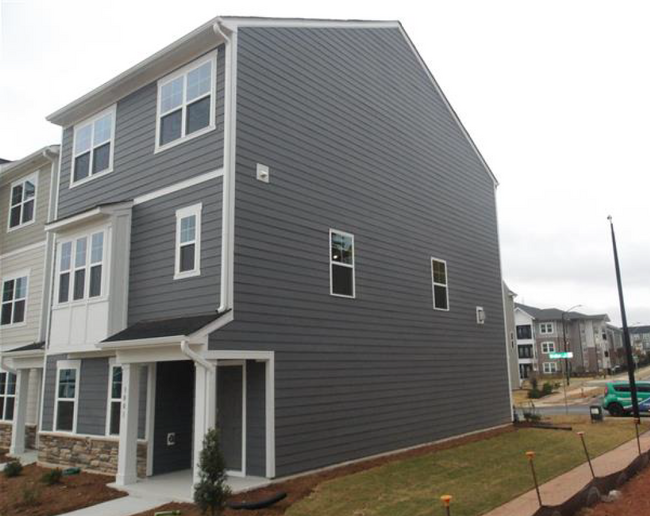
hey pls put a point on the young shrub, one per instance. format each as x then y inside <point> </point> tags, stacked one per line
<point>534,393</point>
<point>30,495</point>
<point>52,477</point>
<point>13,469</point>
<point>547,389</point>
<point>211,492</point>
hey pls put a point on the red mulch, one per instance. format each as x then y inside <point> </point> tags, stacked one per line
<point>634,502</point>
<point>74,492</point>
<point>3,456</point>
<point>301,487</point>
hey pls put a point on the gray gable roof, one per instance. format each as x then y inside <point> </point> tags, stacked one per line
<point>555,314</point>
<point>640,329</point>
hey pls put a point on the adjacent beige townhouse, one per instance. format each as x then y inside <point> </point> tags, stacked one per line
<point>27,190</point>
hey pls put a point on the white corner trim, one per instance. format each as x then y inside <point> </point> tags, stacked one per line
<point>177,187</point>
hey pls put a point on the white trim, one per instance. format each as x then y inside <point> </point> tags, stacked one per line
<point>193,181</point>
<point>210,57</point>
<point>340,264</point>
<point>24,273</point>
<point>32,178</point>
<point>435,284</point>
<point>90,121</point>
<point>109,397</point>
<point>189,211</point>
<point>242,364</point>
<point>27,248</point>
<point>548,349</point>
<point>310,23</point>
<point>61,365</point>
<point>6,395</point>
<point>94,437</point>
<point>151,414</point>
<point>544,325</point>
<point>552,367</point>
<point>88,216</point>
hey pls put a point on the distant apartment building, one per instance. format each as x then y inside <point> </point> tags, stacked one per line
<point>513,358</point>
<point>640,338</point>
<point>544,331</point>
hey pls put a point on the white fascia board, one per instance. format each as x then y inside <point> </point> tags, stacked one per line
<point>142,343</point>
<point>87,217</point>
<point>35,160</point>
<point>524,312</point>
<point>238,21</point>
<point>201,333</point>
<point>180,52</point>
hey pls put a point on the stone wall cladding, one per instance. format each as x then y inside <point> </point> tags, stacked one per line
<point>5,435</point>
<point>89,453</point>
<point>30,437</point>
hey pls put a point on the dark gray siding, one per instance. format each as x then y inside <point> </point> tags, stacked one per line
<point>93,396</point>
<point>136,169</point>
<point>358,139</point>
<point>50,391</point>
<point>255,419</point>
<point>153,292</point>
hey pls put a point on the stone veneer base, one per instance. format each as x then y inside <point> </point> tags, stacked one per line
<point>5,435</point>
<point>87,452</point>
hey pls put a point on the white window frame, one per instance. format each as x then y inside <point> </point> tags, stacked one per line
<point>15,276</point>
<point>349,266</point>
<point>80,125</point>
<point>544,325</point>
<point>60,366</point>
<point>110,400</point>
<point>435,284</point>
<point>548,347</point>
<point>212,57</point>
<point>88,265</point>
<point>6,395</point>
<point>194,210</point>
<point>32,178</point>
<point>550,367</point>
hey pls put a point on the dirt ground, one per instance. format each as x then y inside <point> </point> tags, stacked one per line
<point>300,487</point>
<point>634,502</point>
<point>26,495</point>
<point>3,455</point>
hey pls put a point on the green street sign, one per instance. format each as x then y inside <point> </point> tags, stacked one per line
<point>568,354</point>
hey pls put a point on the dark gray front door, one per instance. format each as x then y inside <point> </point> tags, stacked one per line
<point>230,413</point>
<point>174,416</point>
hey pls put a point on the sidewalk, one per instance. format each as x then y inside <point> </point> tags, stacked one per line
<point>561,488</point>
<point>125,506</point>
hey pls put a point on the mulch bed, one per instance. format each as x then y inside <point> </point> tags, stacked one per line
<point>634,502</point>
<point>301,487</point>
<point>3,455</point>
<point>72,493</point>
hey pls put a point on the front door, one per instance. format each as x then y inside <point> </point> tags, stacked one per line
<point>231,413</point>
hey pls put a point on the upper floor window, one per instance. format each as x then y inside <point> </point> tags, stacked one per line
<point>546,328</point>
<point>526,351</point>
<point>14,300</point>
<point>342,264</point>
<point>550,367</point>
<point>22,202</point>
<point>7,395</point>
<point>548,347</point>
<point>186,102</point>
<point>440,290</point>
<point>93,146</point>
<point>524,331</point>
<point>80,268</point>
<point>188,242</point>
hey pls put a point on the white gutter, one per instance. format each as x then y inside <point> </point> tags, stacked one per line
<point>198,359</point>
<point>5,367</point>
<point>228,214</point>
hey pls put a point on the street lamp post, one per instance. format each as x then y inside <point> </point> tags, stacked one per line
<point>566,350</point>
<point>626,330</point>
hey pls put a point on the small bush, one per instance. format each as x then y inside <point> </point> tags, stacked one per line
<point>547,389</point>
<point>13,469</point>
<point>534,383</point>
<point>534,393</point>
<point>211,492</point>
<point>30,495</point>
<point>52,477</point>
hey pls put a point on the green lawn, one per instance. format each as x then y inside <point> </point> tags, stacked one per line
<point>480,475</point>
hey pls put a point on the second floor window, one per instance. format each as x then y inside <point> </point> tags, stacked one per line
<point>14,301</point>
<point>526,351</point>
<point>22,202</point>
<point>341,264</point>
<point>440,290</point>
<point>546,328</point>
<point>93,146</point>
<point>524,331</point>
<point>81,268</point>
<point>185,102</point>
<point>188,242</point>
<point>548,347</point>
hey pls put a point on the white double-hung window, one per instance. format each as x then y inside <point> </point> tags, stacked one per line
<point>22,202</point>
<point>7,395</point>
<point>440,284</point>
<point>93,146</point>
<point>186,100</point>
<point>188,242</point>
<point>548,347</point>
<point>342,280</point>
<point>114,400</point>
<point>81,268</point>
<point>67,395</point>
<point>14,300</point>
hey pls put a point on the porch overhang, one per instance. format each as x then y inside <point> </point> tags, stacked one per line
<point>24,357</point>
<point>96,214</point>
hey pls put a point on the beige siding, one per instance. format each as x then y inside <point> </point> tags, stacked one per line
<point>32,233</point>
<point>30,261</point>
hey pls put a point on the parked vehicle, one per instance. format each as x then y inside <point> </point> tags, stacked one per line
<point>618,401</point>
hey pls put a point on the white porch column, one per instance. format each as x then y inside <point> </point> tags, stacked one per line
<point>128,451</point>
<point>204,411</point>
<point>20,412</point>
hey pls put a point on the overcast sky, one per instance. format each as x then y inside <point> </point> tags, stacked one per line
<point>556,94</point>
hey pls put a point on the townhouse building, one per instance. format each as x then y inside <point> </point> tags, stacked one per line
<point>542,331</point>
<point>281,228</point>
<point>640,338</point>
<point>27,190</point>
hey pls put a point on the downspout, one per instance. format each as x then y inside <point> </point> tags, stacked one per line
<point>227,238</point>
<point>198,359</point>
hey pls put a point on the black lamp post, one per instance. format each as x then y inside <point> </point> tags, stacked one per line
<point>626,330</point>
<point>566,360</point>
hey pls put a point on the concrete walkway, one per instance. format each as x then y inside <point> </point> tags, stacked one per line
<point>561,488</point>
<point>119,507</point>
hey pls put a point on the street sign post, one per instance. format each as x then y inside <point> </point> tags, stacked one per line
<point>564,354</point>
